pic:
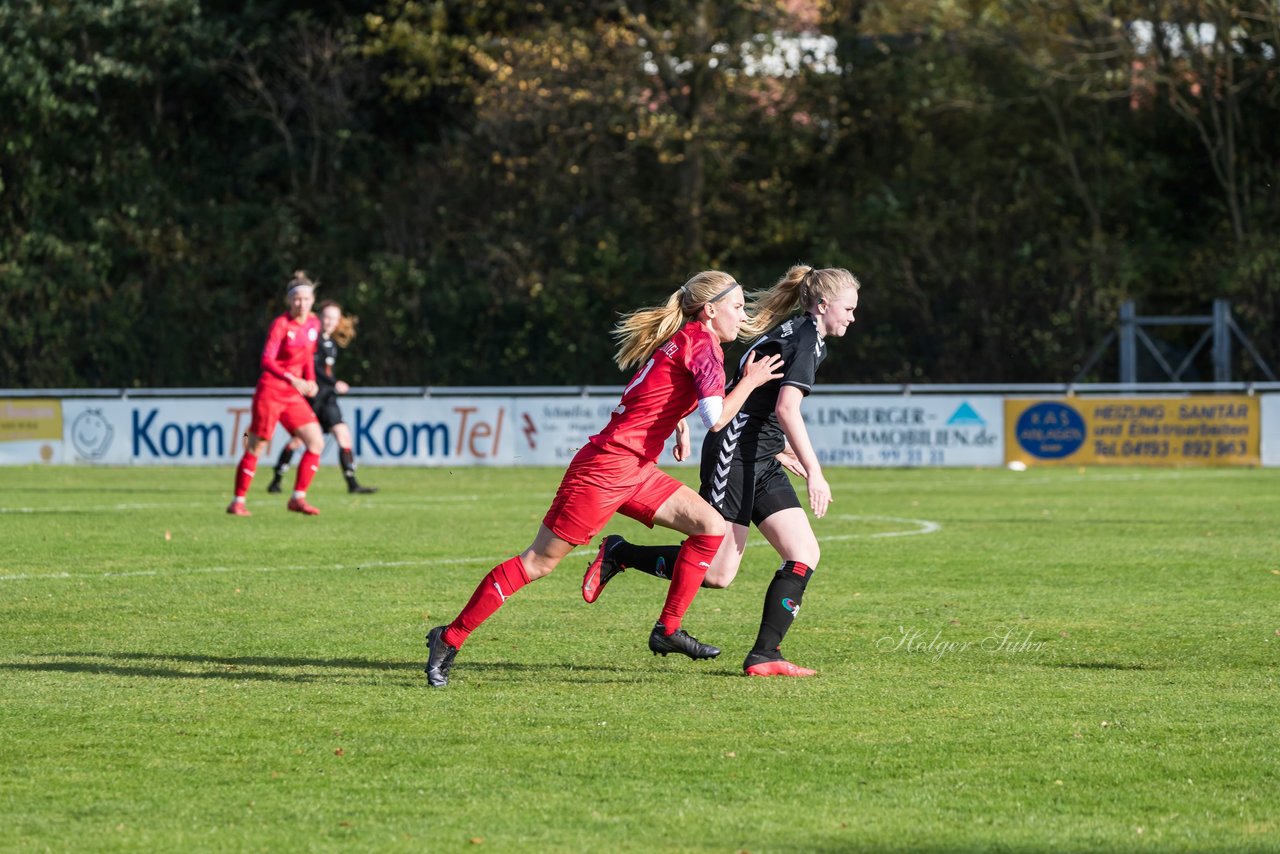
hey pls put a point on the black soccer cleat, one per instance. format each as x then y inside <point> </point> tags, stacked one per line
<point>600,570</point>
<point>439,658</point>
<point>679,641</point>
<point>274,486</point>
<point>357,489</point>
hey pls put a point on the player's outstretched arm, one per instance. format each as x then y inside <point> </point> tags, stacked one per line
<point>789,418</point>
<point>756,371</point>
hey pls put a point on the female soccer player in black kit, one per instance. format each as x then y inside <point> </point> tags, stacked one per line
<point>742,465</point>
<point>336,330</point>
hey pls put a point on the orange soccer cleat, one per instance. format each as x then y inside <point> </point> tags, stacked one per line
<point>300,505</point>
<point>237,508</point>
<point>780,667</point>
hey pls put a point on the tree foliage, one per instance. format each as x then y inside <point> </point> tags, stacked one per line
<point>489,184</point>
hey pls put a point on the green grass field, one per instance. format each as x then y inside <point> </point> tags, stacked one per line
<point>1076,660</point>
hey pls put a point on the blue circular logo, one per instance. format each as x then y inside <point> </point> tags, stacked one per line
<point>1051,431</point>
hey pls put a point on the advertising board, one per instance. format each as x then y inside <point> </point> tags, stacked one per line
<point>1134,431</point>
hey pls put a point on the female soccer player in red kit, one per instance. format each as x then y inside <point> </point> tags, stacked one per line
<point>742,466</point>
<point>288,379</point>
<point>683,369</point>
<point>336,332</point>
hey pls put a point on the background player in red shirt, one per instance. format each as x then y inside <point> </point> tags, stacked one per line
<point>616,471</point>
<point>742,465</point>
<point>288,379</point>
<point>336,331</point>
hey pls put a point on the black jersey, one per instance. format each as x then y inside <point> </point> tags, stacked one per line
<point>797,341</point>
<point>326,356</point>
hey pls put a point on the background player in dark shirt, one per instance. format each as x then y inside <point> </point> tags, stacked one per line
<point>742,465</point>
<point>336,331</point>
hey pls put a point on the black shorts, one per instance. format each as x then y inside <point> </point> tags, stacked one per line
<point>326,409</point>
<point>744,487</point>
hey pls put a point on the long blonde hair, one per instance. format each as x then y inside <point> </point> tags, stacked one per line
<point>803,287</point>
<point>640,332</point>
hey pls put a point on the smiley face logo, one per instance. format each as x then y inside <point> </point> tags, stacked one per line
<point>91,434</point>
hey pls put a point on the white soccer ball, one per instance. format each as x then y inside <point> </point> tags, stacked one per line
<point>1017,465</point>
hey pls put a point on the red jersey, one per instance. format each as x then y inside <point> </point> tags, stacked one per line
<point>685,369</point>
<point>290,348</point>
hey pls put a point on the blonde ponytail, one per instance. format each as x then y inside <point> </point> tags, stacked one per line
<point>802,287</point>
<point>640,332</point>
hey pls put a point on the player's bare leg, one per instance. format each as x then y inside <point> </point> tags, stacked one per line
<point>617,555</point>
<point>502,582</point>
<point>686,512</point>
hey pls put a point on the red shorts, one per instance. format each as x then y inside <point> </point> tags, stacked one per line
<point>599,484</point>
<point>271,405</point>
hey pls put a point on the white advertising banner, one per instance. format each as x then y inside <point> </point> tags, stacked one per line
<point>933,430</point>
<point>208,431</point>
<point>387,431</point>
<point>1270,410</point>
<point>156,431</point>
<point>846,430</point>
<point>552,429</point>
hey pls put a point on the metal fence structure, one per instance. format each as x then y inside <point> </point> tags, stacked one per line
<point>1221,329</point>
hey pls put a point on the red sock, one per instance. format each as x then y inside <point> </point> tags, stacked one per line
<point>244,474</point>
<point>497,587</point>
<point>306,470</point>
<point>686,577</point>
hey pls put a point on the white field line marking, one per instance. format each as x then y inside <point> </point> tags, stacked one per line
<point>216,570</point>
<point>1011,479</point>
<point>921,526</point>
<point>102,508</point>
<point>108,508</point>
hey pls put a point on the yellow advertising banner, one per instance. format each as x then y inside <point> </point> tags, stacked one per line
<point>27,418</point>
<point>1199,430</point>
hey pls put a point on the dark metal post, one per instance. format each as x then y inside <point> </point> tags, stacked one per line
<point>1222,341</point>
<point>1128,343</point>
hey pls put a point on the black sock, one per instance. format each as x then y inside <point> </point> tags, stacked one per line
<point>282,464</point>
<point>781,605</point>
<point>655,560</point>
<point>348,463</point>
